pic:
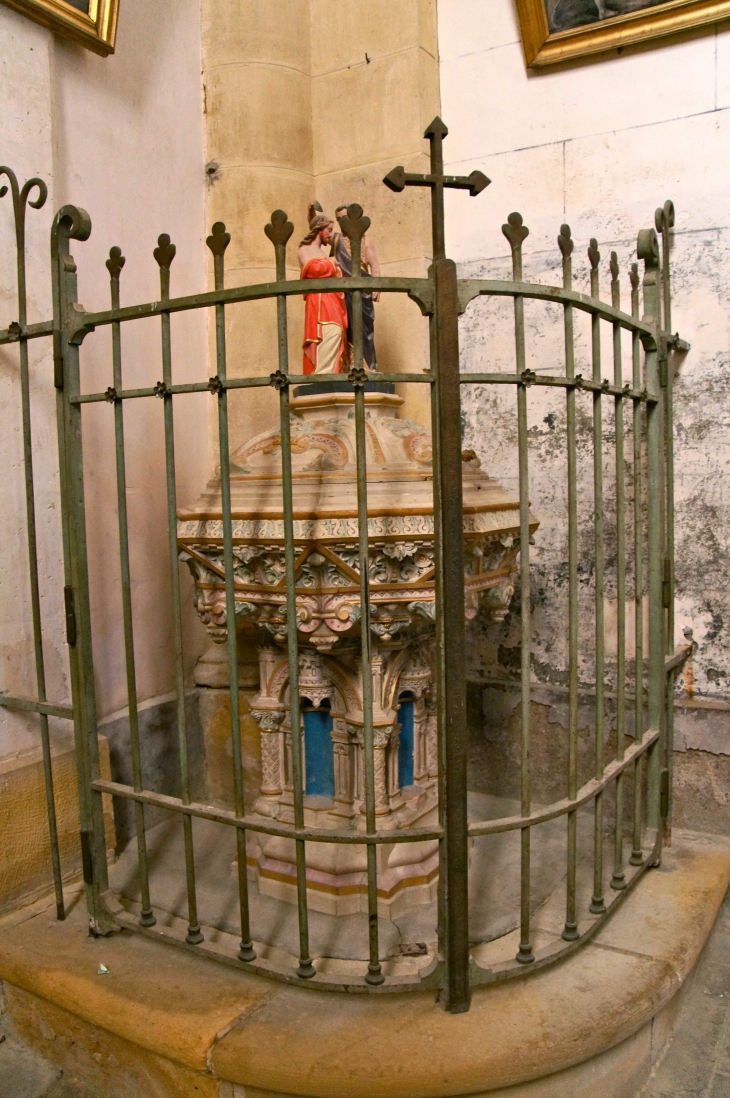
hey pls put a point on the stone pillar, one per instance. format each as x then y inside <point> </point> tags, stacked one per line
<point>392,764</point>
<point>344,753</point>
<point>269,722</point>
<point>420,740</point>
<point>280,81</point>
<point>432,738</point>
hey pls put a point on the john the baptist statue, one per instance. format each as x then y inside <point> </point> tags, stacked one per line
<point>369,266</point>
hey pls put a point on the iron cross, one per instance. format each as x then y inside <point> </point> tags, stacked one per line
<point>399,178</point>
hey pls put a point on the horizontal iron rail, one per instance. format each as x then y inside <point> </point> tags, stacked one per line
<point>421,289</point>
<point>16,701</point>
<point>577,382</point>
<point>254,823</point>
<point>563,807</point>
<point>404,835</point>
<point>471,288</point>
<point>342,382</point>
<point>681,653</point>
<point>15,332</point>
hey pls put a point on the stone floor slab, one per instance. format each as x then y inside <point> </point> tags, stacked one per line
<point>23,1073</point>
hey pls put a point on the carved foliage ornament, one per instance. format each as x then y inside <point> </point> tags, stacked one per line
<point>328,597</point>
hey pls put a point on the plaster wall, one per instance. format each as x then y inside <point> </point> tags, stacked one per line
<point>598,145</point>
<point>122,137</point>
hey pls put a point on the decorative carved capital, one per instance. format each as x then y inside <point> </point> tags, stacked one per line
<point>268,720</point>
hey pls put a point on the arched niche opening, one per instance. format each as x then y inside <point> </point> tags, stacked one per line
<point>318,754</point>
<point>405,743</point>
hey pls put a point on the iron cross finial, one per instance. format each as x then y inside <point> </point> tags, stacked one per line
<point>399,178</point>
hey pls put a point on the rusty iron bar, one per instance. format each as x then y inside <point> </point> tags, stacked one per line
<point>664,222</point>
<point>72,223</point>
<point>354,226</point>
<point>279,231</point>
<point>570,930</point>
<point>115,264</point>
<point>618,877</point>
<point>164,254</point>
<point>516,233</point>
<point>217,242</point>
<point>636,856</point>
<point>21,199</point>
<point>597,905</point>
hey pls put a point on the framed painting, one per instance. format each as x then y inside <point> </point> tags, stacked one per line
<point>554,31</point>
<point>91,23</point>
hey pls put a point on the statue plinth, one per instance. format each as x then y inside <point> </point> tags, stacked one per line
<point>402,597</point>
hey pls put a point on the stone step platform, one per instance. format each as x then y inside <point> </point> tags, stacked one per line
<point>167,1023</point>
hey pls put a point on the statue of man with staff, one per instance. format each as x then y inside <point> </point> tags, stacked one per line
<point>369,266</point>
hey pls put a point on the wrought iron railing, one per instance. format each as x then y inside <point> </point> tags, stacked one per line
<point>644,759</point>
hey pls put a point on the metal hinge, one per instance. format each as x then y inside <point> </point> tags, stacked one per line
<point>667,584</point>
<point>68,600</point>
<point>663,362</point>
<point>663,372</point>
<point>86,859</point>
<point>664,794</point>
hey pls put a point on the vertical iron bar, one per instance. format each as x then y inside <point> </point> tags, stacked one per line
<point>20,198</point>
<point>648,250</point>
<point>570,931</point>
<point>597,905</point>
<point>72,223</point>
<point>218,242</point>
<point>356,225</point>
<point>636,851</point>
<point>114,263</point>
<point>164,254</point>
<point>279,231</point>
<point>450,639</point>
<point>516,233</point>
<point>618,878</point>
<point>664,221</point>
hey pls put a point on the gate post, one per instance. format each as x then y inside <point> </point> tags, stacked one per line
<point>72,223</point>
<point>450,638</point>
<point>648,250</point>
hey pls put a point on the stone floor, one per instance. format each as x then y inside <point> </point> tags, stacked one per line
<point>25,1074</point>
<point>697,1061</point>
<point>494,886</point>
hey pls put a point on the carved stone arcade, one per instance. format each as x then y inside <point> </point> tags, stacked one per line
<point>402,591</point>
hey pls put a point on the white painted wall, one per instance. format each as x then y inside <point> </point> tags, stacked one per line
<point>598,145</point>
<point>122,137</point>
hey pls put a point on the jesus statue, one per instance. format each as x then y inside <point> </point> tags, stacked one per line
<point>325,314</point>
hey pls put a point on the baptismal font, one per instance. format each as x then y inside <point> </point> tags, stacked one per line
<point>402,601</point>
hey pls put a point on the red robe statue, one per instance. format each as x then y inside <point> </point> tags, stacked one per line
<point>325,323</point>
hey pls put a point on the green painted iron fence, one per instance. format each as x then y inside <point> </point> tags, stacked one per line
<point>640,764</point>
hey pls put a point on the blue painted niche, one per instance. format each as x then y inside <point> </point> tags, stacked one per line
<point>319,756</point>
<point>405,745</point>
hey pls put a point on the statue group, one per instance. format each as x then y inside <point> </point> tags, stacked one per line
<point>325,253</point>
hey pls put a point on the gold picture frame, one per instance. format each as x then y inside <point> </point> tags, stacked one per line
<point>543,47</point>
<point>91,23</point>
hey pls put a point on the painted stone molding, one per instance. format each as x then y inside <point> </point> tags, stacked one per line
<point>402,613</point>
<point>400,529</point>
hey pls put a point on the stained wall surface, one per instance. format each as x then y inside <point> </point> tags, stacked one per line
<point>122,137</point>
<point>599,145</point>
